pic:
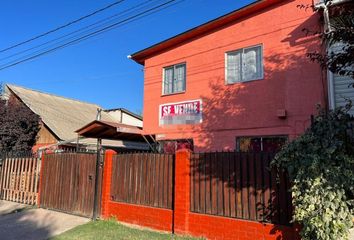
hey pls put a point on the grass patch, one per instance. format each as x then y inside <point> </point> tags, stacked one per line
<point>107,230</point>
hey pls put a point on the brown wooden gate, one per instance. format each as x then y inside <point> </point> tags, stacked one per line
<point>19,178</point>
<point>68,183</point>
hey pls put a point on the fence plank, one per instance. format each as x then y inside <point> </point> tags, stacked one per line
<point>232,182</point>
<point>15,180</point>
<point>4,177</point>
<point>68,182</point>
<point>142,178</point>
<point>239,185</point>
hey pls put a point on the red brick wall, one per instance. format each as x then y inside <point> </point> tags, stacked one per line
<point>185,222</point>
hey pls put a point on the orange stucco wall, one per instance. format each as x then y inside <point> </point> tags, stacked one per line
<point>290,82</point>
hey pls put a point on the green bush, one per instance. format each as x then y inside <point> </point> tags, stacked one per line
<point>320,164</point>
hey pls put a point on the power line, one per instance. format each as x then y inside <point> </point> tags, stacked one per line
<point>62,26</point>
<point>100,31</point>
<point>104,22</point>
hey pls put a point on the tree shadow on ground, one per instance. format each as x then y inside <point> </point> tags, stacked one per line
<point>19,221</point>
<point>25,225</point>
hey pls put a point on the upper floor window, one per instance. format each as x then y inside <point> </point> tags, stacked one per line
<point>174,79</point>
<point>244,65</point>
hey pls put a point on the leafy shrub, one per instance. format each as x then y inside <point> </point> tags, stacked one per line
<point>320,164</point>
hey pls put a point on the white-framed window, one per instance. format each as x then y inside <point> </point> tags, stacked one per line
<point>174,79</point>
<point>339,87</point>
<point>244,64</point>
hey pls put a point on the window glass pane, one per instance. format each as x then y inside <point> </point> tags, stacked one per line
<point>168,87</point>
<point>273,144</point>
<point>252,63</point>
<point>179,81</point>
<point>171,146</point>
<point>249,144</point>
<point>260,144</point>
<point>233,72</point>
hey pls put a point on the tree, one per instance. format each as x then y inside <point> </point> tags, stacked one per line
<point>337,38</point>
<point>19,126</point>
<point>320,165</point>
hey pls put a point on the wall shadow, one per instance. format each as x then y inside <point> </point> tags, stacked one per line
<point>292,83</point>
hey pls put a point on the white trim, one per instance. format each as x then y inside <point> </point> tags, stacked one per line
<point>163,81</point>
<point>242,50</point>
<point>174,68</point>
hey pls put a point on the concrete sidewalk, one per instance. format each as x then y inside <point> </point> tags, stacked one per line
<point>11,207</point>
<point>34,224</point>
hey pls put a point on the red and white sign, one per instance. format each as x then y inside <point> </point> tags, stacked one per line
<point>188,112</point>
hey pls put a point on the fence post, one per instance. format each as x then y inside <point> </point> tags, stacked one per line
<point>106,182</point>
<point>40,181</point>
<point>182,191</point>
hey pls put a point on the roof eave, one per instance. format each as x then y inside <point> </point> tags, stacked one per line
<point>142,55</point>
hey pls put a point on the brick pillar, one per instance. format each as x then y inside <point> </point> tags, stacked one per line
<point>106,182</point>
<point>182,191</point>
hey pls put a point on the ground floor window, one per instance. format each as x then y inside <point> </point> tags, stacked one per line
<point>171,146</point>
<point>260,143</point>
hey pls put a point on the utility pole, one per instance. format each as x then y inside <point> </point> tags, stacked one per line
<point>98,165</point>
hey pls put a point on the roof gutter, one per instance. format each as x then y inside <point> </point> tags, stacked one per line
<point>325,7</point>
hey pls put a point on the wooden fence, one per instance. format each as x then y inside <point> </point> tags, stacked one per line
<point>144,179</point>
<point>68,182</point>
<point>239,185</point>
<point>19,177</point>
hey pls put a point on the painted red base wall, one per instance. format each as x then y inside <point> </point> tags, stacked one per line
<point>213,227</point>
<point>182,221</point>
<point>156,218</point>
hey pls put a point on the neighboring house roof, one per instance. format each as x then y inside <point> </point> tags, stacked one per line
<point>124,110</point>
<point>205,28</point>
<point>111,130</point>
<point>61,115</point>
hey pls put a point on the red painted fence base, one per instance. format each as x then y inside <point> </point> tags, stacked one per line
<point>182,221</point>
<point>156,218</point>
<point>213,227</point>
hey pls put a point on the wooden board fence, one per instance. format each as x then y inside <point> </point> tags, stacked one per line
<point>19,179</point>
<point>143,179</point>
<point>68,182</point>
<point>239,185</point>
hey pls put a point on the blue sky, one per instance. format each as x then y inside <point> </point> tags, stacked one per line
<point>96,70</point>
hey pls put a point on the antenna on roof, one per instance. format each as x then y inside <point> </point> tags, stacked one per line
<point>98,116</point>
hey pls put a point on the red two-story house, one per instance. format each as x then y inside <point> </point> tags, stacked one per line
<point>242,81</point>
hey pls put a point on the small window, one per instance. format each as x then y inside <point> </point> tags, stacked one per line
<point>244,65</point>
<point>174,79</point>
<point>260,144</point>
